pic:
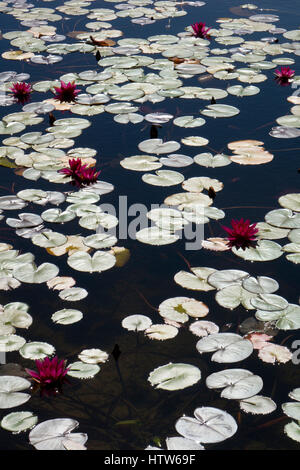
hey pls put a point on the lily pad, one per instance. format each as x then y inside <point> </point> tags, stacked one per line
<point>260,285</point>
<point>82,370</point>
<point>33,274</point>
<point>220,111</point>
<point>283,218</point>
<point>229,347</point>
<point>238,384</point>
<point>54,434</point>
<point>195,280</point>
<point>163,178</point>
<point>156,236</point>
<point>258,405</point>
<point>10,391</point>
<point>11,342</point>
<point>227,277</point>
<point>265,250</point>
<point>174,376</point>
<point>161,332</point>
<point>210,425</point>
<point>290,201</point>
<point>36,350</point>
<point>136,323</point>
<point>158,147</point>
<point>67,316</point>
<point>19,421</point>
<point>73,294</point>
<point>100,261</point>
<point>233,296</point>
<point>139,163</point>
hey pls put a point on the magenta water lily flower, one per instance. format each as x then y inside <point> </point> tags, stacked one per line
<point>67,92</point>
<point>200,31</point>
<point>21,92</point>
<point>284,75</point>
<point>285,72</point>
<point>50,375</point>
<point>81,175</point>
<point>242,234</point>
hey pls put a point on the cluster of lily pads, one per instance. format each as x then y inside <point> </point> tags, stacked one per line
<point>134,71</point>
<point>291,409</point>
<point>279,223</point>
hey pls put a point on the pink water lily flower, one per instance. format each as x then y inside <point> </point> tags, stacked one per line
<point>200,31</point>
<point>285,72</point>
<point>21,92</point>
<point>242,234</point>
<point>89,176</point>
<point>81,174</point>
<point>50,375</point>
<point>67,92</point>
<point>74,169</point>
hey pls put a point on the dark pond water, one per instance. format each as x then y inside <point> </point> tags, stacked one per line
<point>102,404</point>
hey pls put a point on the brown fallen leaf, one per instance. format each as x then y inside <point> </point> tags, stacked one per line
<point>176,60</point>
<point>103,43</point>
<point>52,119</point>
<point>19,171</point>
